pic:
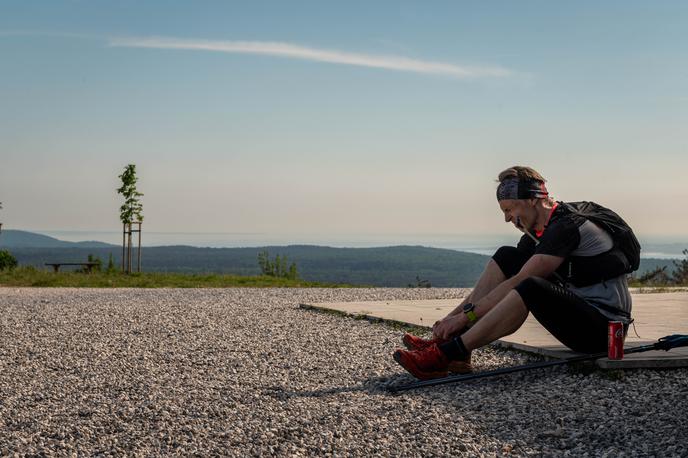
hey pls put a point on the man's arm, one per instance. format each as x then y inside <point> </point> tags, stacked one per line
<point>525,244</point>
<point>459,308</point>
<point>539,265</point>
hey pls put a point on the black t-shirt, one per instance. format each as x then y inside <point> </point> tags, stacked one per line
<point>560,237</point>
<point>568,235</point>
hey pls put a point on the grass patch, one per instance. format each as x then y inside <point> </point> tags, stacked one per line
<point>29,276</point>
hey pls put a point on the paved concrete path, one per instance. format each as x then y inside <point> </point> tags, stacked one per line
<point>656,314</point>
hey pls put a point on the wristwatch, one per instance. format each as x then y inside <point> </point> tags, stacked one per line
<point>469,310</point>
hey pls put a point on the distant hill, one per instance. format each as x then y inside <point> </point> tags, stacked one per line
<point>11,238</point>
<point>397,266</point>
<point>389,266</point>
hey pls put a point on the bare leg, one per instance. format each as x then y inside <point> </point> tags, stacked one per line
<point>504,319</point>
<point>489,279</point>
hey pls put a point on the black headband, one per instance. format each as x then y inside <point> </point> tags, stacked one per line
<point>513,188</point>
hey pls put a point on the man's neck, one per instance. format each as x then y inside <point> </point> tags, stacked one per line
<point>544,208</point>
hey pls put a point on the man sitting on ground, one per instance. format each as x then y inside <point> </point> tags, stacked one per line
<point>566,271</point>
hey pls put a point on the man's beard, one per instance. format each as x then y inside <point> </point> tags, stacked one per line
<point>519,225</point>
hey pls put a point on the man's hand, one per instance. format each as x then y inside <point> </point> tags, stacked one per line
<point>449,326</point>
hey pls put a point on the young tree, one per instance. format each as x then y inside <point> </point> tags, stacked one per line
<point>279,266</point>
<point>293,273</point>
<point>132,209</point>
<point>131,212</point>
<point>111,265</point>
<point>264,263</point>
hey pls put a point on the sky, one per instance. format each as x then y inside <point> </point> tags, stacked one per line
<point>341,118</point>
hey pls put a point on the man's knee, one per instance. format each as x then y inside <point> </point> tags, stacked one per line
<point>529,288</point>
<point>509,259</point>
<point>494,267</point>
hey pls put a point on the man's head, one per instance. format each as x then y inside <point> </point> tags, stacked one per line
<point>521,194</point>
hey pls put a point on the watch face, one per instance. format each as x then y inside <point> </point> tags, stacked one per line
<point>468,307</point>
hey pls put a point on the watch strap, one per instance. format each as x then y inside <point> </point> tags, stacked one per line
<point>472,317</point>
<point>469,311</point>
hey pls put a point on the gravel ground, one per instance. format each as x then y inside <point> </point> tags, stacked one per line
<point>247,372</point>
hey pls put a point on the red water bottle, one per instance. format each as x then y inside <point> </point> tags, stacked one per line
<point>615,340</point>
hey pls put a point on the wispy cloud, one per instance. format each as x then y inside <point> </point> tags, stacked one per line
<point>320,55</point>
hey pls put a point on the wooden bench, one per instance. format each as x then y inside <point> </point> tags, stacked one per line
<point>88,265</point>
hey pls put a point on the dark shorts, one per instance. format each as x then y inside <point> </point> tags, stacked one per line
<point>568,317</point>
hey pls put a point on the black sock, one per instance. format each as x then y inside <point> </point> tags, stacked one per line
<point>455,349</point>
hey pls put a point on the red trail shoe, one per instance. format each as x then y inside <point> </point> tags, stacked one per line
<point>430,363</point>
<point>412,342</point>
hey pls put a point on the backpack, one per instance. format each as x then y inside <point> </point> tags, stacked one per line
<point>622,235</point>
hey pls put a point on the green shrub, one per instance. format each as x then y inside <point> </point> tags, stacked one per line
<point>111,265</point>
<point>278,267</point>
<point>660,276</point>
<point>7,261</point>
<point>680,276</point>
<point>99,263</point>
<point>656,277</point>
